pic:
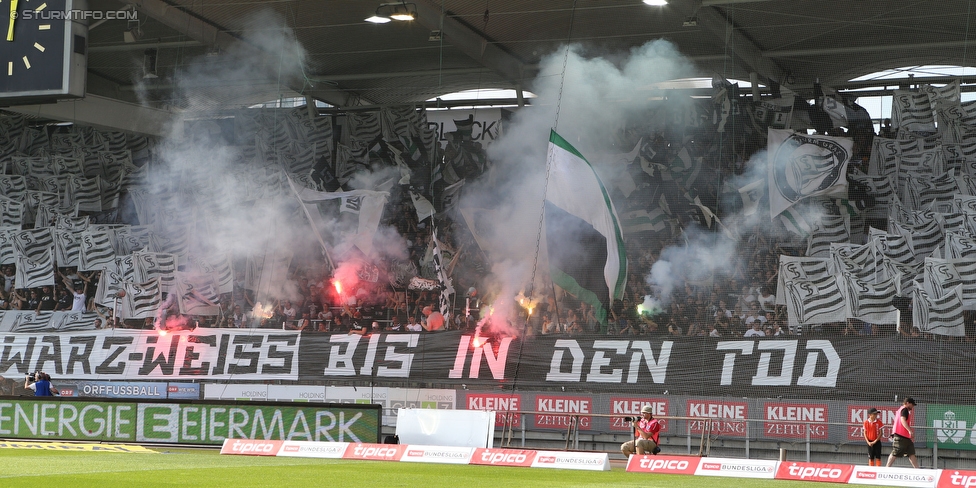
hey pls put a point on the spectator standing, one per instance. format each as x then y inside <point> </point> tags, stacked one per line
<point>902,434</point>
<point>872,435</point>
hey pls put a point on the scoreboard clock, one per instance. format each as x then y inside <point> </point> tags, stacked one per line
<point>43,46</point>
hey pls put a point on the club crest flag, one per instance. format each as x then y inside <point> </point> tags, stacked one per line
<point>584,240</point>
<point>802,166</point>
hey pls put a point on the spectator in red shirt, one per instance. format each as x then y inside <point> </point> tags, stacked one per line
<point>647,431</point>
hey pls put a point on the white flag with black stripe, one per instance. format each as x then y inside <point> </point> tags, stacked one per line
<point>25,321</point>
<point>898,248</point>
<point>815,302</point>
<point>872,303</point>
<point>799,269</point>
<point>96,251</point>
<point>859,261</point>
<point>72,321</point>
<point>85,193</point>
<point>32,273</point>
<point>7,253</point>
<point>912,111</point>
<point>141,300</point>
<point>67,248</point>
<point>958,245</point>
<point>36,244</point>
<point>11,213</point>
<point>924,238</point>
<point>197,294</point>
<point>447,287</point>
<point>941,314</point>
<point>832,229</point>
<point>941,275</point>
<point>153,265</point>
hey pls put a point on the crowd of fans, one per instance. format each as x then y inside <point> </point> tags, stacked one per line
<point>738,302</point>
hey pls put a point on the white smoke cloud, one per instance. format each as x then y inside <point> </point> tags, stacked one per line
<point>228,203</point>
<point>594,97</point>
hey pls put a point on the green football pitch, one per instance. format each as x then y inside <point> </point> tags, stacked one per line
<point>206,468</point>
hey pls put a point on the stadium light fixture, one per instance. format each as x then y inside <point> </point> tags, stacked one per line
<point>656,3</point>
<point>387,12</point>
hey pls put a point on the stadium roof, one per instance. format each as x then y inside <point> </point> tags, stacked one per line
<point>499,43</point>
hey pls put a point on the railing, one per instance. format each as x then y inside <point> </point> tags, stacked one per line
<point>697,432</point>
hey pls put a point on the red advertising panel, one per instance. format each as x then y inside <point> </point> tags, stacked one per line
<point>857,414</point>
<point>251,447</point>
<point>647,463</point>
<point>725,413</point>
<point>503,457</point>
<point>833,473</point>
<point>497,402</point>
<point>375,452</point>
<point>792,420</point>
<point>555,409</point>
<point>957,478</point>
<point>621,407</point>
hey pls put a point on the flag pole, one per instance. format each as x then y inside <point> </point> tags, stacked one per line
<point>555,302</point>
<point>325,249</point>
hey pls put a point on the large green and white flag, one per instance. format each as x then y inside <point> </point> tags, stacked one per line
<point>584,240</point>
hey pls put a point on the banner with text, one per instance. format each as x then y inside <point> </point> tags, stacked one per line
<point>796,368</point>
<point>174,423</point>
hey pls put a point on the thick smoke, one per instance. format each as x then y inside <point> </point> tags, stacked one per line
<point>230,197</point>
<point>594,98</point>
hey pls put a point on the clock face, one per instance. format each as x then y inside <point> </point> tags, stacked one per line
<point>32,45</point>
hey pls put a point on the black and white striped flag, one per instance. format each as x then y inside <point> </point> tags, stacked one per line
<point>964,203</point>
<point>941,275</point>
<point>85,193</point>
<point>14,187</point>
<point>904,274</point>
<point>134,238</point>
<point>96,250</point>
<point>197,294</point>
<point>941,314</point>
<point>25,321</point>
<point>11,213</point>
<point>959,245</point>
<point>364,126</point>
<point>72,321</point>
<point>799,269</point>
<point>141,300</point>
<point>934,192</point>
<point>815,302</point>
<point>893,246</point>
<point>832,229</point>
<point>858,261</point>
<point>872,303</point>
<point>108,287</point>
<point>912,111</point>
<point>153,265</point>
<point>447,287</point>
<point>32,273</point>
<point>924,238</point>
<point>72,224</point>
<point>885,154</point>
<point>67,248</point>
<point>68,165</point>
<point>35,244</point>
<point>7,253</point>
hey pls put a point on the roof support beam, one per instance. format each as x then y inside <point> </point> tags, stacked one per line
<point>747,55</point>
<point>787,53</point>
<point>470,41</point>
<point>209,34</point>
<point>109,113</point>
